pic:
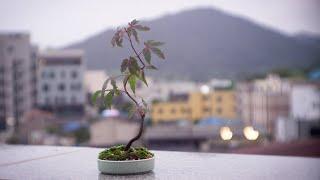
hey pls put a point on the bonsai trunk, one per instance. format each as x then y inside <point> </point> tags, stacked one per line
<point>139,133</point>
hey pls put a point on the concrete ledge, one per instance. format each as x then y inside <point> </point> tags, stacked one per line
<point>51,162</point>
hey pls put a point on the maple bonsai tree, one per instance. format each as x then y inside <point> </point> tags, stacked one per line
<point>132,70</point>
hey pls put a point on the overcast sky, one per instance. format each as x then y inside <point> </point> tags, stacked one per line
<point>57,23</point>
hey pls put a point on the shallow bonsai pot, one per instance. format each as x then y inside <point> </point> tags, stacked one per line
<point>126,167</point>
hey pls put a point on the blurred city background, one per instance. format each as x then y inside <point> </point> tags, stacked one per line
<point>239,76</point>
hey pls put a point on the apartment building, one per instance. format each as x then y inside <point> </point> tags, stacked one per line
<point>17,77</point>
<point>61,81</point>
<point>305,102</point>
<point>262,102</point>
<point>195,106</point>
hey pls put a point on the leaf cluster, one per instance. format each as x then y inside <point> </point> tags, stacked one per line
<point>132,68</point>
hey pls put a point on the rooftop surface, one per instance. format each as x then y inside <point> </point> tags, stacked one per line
<point>53,162</point>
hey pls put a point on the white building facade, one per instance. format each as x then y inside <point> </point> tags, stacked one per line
<point>263,101</point>
<point>61,80</point>
<point>305,102</point>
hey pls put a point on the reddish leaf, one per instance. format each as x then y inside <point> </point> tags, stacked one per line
<point>158,52</point>
<point>147,55</point>
<point>135,34</point>
<point>141,28</point>
<point>124,65</point>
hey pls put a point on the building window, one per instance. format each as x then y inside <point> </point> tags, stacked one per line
<point>73,100</point>
<point>205,97</point>
<point>2,70</point>
<point>61,87</point>
<point>62,100</point>
<point>47,101</point>
<point>219,110</point>
<point>63,74</point>
<point>45,88</point>
<point>74,74</point>
<point>43,74</point>
<point>206,109</point>
<point>56,100</point>
<point>10,49</point>
<point>234,96</point>
<point>52,75</point>
<point>219,99</point>
<point>76,86</point>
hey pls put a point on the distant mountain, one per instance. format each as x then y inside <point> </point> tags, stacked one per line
<point>206,43</point>
<point>309,39</point>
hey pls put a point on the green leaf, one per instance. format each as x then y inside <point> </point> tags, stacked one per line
<point>95,96</point>
<point>108,99</point>
<point>158,52</point>
<point>115,87</point>
<point>157,43</point>
<point>114,84</point>
<point>124,65</point>
<point>141,28</point>
<point>142,77</point>
<point>154,43</point>
<point>152,67</point>
<point>135,34</point>
<point>132,82</point>
<point>104,87</point>
<point>147,55</point>
<point>117,92</point>
<point>133,65</point>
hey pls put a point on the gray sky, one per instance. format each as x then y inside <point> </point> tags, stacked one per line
<point>60,22</point>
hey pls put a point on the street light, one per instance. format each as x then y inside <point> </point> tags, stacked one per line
<point>205,89</point>
<point>250,133</point>
<point>225,133</point>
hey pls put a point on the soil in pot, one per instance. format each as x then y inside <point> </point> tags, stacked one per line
<point>118,153</point>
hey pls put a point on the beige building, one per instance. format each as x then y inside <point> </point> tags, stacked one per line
<point>195,106</point>
<point>17,77</point>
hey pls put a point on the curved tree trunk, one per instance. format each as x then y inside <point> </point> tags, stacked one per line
<point>138,135</point>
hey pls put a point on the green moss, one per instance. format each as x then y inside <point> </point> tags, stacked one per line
<point>117,153</point>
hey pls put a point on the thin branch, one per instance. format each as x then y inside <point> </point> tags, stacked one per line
<point>141,113</point>
<point>137,54</point>
<point>126,91</point>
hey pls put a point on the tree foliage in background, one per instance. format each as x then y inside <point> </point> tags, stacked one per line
<point>132,70</point>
